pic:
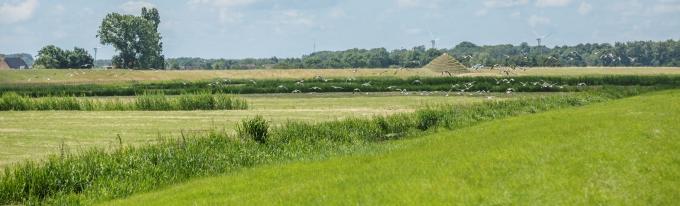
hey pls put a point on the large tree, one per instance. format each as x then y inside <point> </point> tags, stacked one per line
<point>136,38</point>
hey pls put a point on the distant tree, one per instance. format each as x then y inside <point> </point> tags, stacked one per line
<point>51,57</point>
<point>56,58</point>
<point>378,58</point>
<point>79,58</point>
<point>136,38</point>
<point>354,59</point>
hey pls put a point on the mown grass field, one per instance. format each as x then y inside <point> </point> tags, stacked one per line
<point>34,134</point>
<point>122,76</point>
<point>77,76</point>
<point>622,152</point>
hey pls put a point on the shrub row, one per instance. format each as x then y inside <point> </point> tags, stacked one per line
<point>150,102</point>
<point>98,174</point>
<point>377,84</point>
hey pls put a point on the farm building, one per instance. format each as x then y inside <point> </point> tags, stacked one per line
<point>12,63</point>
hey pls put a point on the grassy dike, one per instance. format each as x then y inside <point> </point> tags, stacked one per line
<point>100,175</point>
<point>623,152</point>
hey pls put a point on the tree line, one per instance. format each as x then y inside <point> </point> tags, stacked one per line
<point>636,53</point>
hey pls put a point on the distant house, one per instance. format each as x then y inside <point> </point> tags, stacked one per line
<point>13,63</point>
<point>3,64</point>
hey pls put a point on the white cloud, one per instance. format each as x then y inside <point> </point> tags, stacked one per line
<point>637,8</point>
<point>535,20</point>
<point>584,8</point>
<point>666,7</point>
<point>59,8</point>
<point>504,3</point>
<point>225,8</point>
<point>417,3</point>
<point>337,13</point>
<point>13,13</point>
<point>229,16</point>
<point>413,31</point>
<point>59,34</point>
<point>134,7</point>
<point>294,17</point>
<point>552,3</point>
<point>223,3</point>
<point>407,3</point>
<point>481,12</point>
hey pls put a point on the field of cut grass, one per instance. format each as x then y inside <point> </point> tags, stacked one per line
<point>76,76</point>
<point>623,152</point>
<point>582,71</point>
<point>34,134</point>
<point>120,75</point>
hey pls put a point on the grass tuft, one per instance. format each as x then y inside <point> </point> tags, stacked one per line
<point>256,129</point>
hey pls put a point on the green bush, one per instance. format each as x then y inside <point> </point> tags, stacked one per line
<point>13,102</point>
<point>256,129</point>
<point>427,118</point>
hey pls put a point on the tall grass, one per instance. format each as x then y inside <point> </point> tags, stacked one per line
<point>378,84</point>
<point>98,174</point>
<point>149,101</point>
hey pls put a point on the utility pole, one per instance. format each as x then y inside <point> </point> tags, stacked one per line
<point>95,57</point>
<point>540,52</point>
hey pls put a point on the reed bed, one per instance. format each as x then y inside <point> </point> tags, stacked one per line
<point>349,84</point>
<point>100,174</point>
<point>12,101</point>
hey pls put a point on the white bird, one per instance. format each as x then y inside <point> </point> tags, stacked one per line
<point>404,92</point>
<point>509,90</point>
<point>477,66</point>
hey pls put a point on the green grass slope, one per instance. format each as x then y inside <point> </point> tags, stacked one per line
<point>622,152</point>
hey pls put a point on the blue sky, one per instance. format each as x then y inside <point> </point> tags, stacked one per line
<point>290,28</point>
